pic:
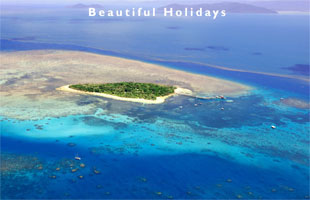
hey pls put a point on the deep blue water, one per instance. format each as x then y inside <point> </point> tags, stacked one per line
<point>188,175</point>
<point>162,151</point>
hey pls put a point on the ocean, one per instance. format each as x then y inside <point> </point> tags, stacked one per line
<point>162,151</point>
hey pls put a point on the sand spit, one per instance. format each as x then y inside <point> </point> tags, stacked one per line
<point>30,78</point>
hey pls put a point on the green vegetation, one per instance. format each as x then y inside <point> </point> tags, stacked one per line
<point>128,89</point>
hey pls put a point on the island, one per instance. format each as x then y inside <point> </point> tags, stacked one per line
<point>229,7</point>
<point>149,93</point>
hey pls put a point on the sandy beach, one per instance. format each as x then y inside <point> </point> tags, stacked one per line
<point>30,78</point>
<point>158,100</point>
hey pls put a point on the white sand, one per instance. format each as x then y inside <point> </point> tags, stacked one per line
<point>158,100</point>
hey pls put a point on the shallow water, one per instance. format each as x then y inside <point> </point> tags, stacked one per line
<point>187,152</point>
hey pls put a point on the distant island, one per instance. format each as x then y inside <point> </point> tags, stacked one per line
<point>285,6</point>
<point>80,6</point>
<point>269,6</point>
<point>149,93</point>
<point>230,7</point>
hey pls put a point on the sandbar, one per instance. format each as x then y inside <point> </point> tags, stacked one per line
<point>29,80</point>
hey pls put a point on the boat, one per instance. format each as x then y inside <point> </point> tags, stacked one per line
<point>77,157</point>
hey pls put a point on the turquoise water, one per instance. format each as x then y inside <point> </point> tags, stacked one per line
<point>185,152</point>
<point>163,151</point>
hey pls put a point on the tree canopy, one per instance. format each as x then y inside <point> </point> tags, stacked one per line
<point>128,89</point>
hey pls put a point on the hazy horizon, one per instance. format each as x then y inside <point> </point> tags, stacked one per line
<point>124,2</point>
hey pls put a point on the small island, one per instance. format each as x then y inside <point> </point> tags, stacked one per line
<point>148,93</point>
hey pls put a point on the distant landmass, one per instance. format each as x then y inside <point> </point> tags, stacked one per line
<point>230,7</point>
<point>296,5</point>
<point>271,6</point>
<point>80,5</point>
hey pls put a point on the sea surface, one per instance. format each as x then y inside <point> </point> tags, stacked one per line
<point>186,148</point>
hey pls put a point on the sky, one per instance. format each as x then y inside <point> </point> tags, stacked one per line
<point>70,2</point>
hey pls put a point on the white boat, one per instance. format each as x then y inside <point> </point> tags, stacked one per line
<point>77,158</point>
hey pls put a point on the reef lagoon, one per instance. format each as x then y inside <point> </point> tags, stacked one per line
<point>185,148</point>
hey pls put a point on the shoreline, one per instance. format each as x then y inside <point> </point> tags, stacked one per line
<point>159,100</point>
